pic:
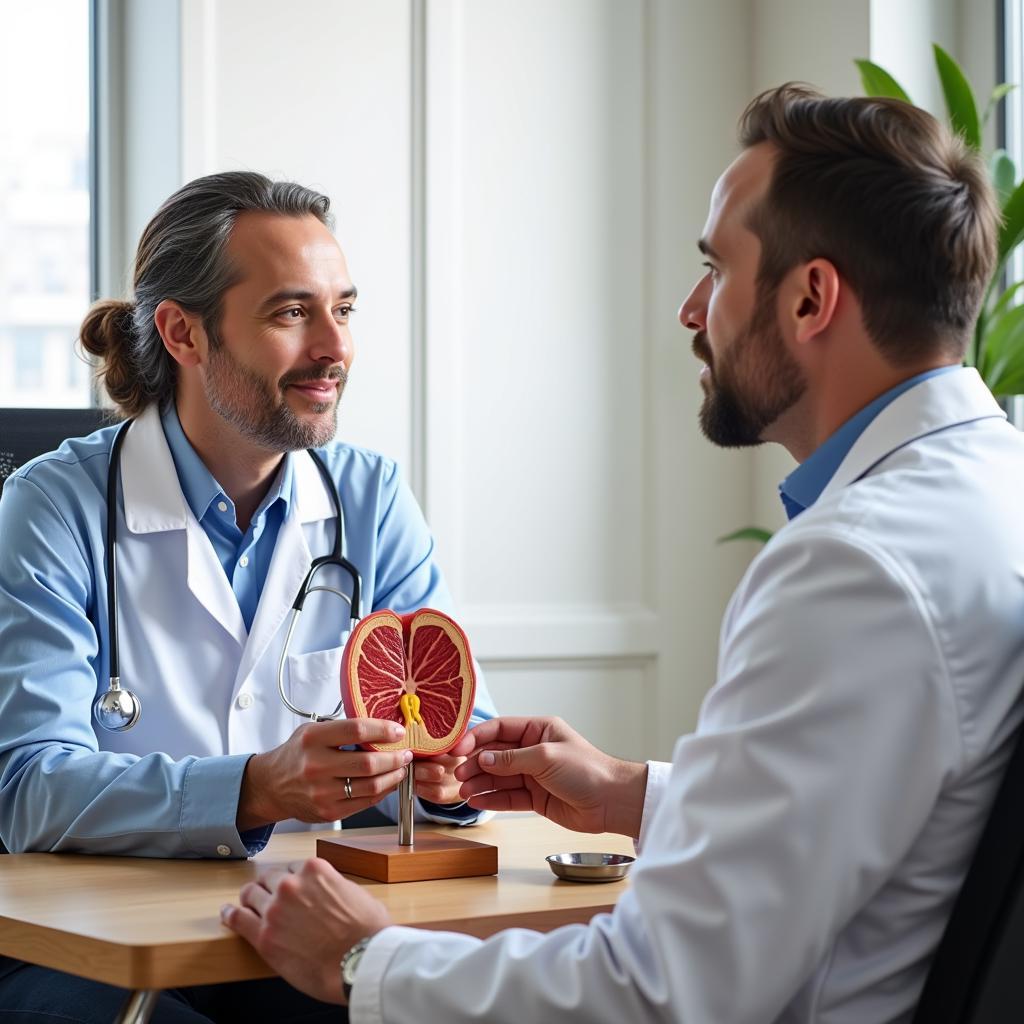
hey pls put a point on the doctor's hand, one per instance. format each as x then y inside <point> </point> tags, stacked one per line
<point>307,777</point>
<point>542,765</point>
<point>302,922</point>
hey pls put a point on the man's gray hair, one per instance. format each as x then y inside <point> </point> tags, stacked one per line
<point>182,256</point>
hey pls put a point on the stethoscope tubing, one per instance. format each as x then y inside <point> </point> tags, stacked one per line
<point>336,557</point>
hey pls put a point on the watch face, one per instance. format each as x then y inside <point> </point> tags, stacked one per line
<point>349,963</point>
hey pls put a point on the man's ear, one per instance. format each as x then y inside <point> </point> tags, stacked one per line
<point>181,332</point>
<point>812,299</point>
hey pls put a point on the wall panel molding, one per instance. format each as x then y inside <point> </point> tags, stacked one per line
<point>542,632</point>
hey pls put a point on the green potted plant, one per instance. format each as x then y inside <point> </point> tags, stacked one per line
<point>997,348</point>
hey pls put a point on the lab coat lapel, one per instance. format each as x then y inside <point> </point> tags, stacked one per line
<point>154,503</point>
<point>935,404</point>
<point>209,584</point>
<point>290,562</point>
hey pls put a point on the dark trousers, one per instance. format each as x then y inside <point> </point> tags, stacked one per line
<point>38,995</point>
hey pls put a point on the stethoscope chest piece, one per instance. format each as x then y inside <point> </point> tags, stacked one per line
<point>116,709</point>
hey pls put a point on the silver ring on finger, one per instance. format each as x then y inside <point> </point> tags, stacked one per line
<point>348,789</point>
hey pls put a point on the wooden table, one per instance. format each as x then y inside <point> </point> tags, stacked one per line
<point>148,924</point>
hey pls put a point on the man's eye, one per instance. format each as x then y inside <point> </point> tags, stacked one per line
<point>291,313</point>
<point>712,269</point>
<point>342,312</point>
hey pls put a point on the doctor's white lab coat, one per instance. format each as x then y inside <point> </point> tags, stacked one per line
<point>209,692</point>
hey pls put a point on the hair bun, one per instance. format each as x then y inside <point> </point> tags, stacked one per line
<point>107,326</point>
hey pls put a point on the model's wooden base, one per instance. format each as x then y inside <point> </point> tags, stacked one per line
<point>432,856</point>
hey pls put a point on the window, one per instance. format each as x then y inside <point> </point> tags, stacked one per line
<point>45,138</point>
<point>1012,126</point>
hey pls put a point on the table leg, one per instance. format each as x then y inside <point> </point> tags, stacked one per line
<point>138,1007</point>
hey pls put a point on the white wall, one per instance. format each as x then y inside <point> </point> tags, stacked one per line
<point>697,85</point>
<point>557,453</point>
<point>902,32</point>
<point>542,169</point>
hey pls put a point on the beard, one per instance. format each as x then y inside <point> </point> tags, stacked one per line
<point>259,411</point>
<point>758,383</point>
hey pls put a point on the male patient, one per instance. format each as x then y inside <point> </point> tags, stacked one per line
<point>230,360</point>
<point>800,855</point>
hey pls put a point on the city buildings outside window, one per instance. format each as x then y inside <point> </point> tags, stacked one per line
<point>44,202</point>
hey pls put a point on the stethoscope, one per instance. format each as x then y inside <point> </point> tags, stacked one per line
<point>118,709</point>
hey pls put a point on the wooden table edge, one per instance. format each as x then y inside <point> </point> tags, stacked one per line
<point>166,965</point>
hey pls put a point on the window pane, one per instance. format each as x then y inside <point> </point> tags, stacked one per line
<point>44,202</point>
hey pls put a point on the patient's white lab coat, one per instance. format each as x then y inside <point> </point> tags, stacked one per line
<point>800,855</point>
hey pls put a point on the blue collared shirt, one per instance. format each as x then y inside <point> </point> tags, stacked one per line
<point>58,789</point>
<point>245,557</point>
<point>804,485</point>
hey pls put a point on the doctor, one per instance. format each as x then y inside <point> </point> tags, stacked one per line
<point>800,855</point>
<point>231,359</point>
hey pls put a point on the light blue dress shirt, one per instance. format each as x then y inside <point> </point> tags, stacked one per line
<point>802,488</point>
<point>58,789</point>
<point>245,557</point>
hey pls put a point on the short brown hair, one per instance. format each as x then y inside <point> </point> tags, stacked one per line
<point>885,192</point>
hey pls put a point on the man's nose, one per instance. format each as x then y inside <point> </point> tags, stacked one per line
<point>332,342</point>
<point>694,310</point>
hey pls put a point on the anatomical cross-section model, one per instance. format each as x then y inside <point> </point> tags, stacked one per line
<point>417,670</point>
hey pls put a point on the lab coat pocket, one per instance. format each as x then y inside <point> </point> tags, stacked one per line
<point>314,680</point>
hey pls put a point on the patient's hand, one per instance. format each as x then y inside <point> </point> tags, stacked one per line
<point>303,920</point>
<point>435,779</point>
<point>542,765</point>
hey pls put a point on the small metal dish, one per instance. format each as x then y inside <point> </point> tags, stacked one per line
<point>590,867</point>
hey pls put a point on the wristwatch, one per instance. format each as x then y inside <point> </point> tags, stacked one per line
<point>349,963</point>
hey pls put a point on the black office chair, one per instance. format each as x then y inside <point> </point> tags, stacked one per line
<point>977,975</point>
<point>26,433</point>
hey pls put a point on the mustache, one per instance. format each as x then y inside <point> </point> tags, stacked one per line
<point>701,348</point>
<point>337,373</point>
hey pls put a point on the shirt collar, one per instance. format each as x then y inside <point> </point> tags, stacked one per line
<point>198,484</point>
<point>804,485</point>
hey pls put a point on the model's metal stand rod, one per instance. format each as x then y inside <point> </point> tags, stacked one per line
<point>405,794</point>
<point>138,1007</point>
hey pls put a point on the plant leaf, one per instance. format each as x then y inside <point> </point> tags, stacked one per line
<point>1012,227</point>
<point>878,82</point>
<point>963,112</point>
<point>1002,345</point>
<point>1010,381</point>
<point>987,319</point>
<point>1004,174</point>
<point>1001,90</point>
<point>747,533</point>
<point>1004,300</point>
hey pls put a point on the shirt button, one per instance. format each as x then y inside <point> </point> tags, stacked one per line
<point>244,701</point>
<point>222,505</point>
<point>224,850</point>
<point>243,561</point>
